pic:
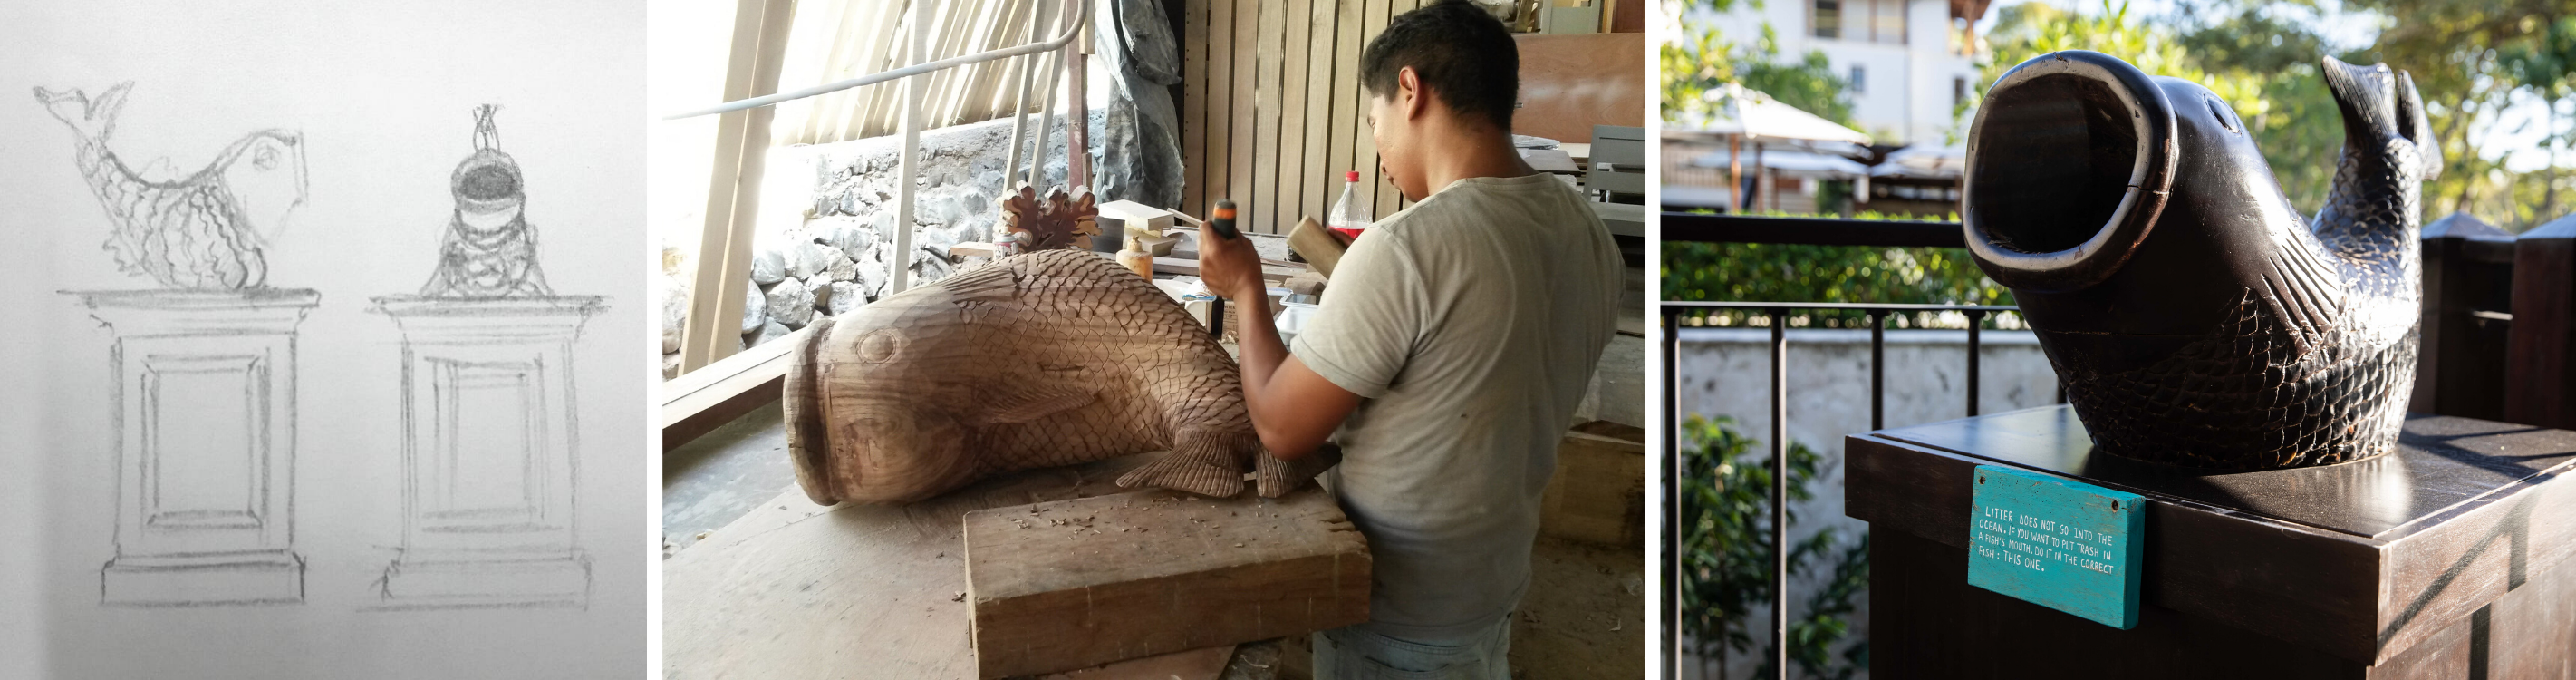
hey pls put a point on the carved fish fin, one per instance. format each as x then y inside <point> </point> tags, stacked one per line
<point>2415,125</point>
<point>2302,292</point>
<point>1275,477</point>
<point>1029,404</point>
<point>992,282</point>
<point>1204,462</point>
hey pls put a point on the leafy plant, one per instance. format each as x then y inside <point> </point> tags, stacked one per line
<point>1726,556</point>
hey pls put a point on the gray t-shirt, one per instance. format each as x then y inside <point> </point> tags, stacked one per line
<point>1470,324</point>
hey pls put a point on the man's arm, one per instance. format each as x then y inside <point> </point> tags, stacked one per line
<point>1292,407</point>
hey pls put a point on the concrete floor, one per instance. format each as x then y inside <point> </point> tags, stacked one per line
<point>717,478</point>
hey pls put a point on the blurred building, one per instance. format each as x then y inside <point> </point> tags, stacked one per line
<point>1909,63</point>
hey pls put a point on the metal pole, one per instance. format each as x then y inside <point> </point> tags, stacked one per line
<point>1046,119</point>
<point>908,166</point>
<point>917,68</point>
<point>1780,490</point>
<point>1877,370</point>
<point>1672,495</point>
<point>1020,104</point>
<point>1976,317</point>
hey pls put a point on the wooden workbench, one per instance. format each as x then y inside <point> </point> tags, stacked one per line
<point>798,590</point>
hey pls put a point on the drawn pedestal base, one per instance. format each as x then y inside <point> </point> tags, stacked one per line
<point>2445,559</point>
<point>205,442</point>
<point>489,452</point>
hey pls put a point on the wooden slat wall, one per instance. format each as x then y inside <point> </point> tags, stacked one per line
<point>1272,111</point>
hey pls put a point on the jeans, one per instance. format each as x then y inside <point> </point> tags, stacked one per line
<point>1355,654</point>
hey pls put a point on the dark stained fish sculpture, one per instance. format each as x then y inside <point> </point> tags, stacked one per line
<point>203,231</point>
<point>2194,317</point>
<point>1050,358</point>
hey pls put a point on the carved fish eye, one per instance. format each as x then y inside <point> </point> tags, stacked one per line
<point>2218,110</point>
<point>265,158</point>
<point>879,345</point>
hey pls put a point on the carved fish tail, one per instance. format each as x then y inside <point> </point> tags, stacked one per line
<point>2373,211</point>
<point>1275,477</point>
<point>1203,462</point>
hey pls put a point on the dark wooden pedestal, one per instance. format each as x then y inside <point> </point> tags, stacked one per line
<point>2443,560</point>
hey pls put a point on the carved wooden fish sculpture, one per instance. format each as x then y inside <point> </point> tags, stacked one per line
<point>196,232</point>
<point>1049,358</point>
<point>2193,316</point>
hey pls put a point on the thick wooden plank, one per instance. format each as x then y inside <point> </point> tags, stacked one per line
<point>713,329</point>
<point>1067,584</point>
<point>1348,97</point>
<point>1221,85</point>
<point>1269,62</point>
<point>2540,354</point>
<point>1239,152</point>
<point>797,590</point>
<point>699,401</point>
<point>1194,95</point>
<point>1572,82</point>
<point>1196,664</point>
<point>1382,192</point>
<point>1322,181</point>
<point>1288,200</point>
<point>1599,492</point>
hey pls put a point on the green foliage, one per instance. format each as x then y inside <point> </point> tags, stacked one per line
<point>1726,555</point>
<point>1764,272</point>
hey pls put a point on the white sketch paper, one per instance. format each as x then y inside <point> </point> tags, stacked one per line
<point>245,436</point>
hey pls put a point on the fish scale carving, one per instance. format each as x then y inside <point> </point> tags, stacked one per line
<point>2205,325</point>
<point>1045,359</point>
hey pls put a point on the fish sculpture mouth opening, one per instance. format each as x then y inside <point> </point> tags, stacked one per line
<point>2199,320</point>
<point>2045,215</point>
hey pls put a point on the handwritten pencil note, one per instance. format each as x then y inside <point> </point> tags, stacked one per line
<point>2057,543</point>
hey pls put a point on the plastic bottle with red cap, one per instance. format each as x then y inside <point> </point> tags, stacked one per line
<point>1350,215</point>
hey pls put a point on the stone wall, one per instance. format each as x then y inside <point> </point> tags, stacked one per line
<point>826,231</point>
<point>1727,371</point>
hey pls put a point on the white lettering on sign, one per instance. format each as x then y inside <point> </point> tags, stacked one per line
<point>2035,543</point>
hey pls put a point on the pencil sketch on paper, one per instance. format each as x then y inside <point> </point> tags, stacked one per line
<point>490,450</point>
<point>204,422</point>
<point>203,231</point>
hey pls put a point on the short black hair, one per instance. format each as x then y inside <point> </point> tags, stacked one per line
<point>1458,51</point>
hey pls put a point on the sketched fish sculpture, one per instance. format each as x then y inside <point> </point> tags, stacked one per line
<point>2193,316</point>
<point>1049,358</point>
<point>202,231</point>
<point>489,250</point>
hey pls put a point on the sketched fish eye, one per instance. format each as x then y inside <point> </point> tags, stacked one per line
<point>265,158</point>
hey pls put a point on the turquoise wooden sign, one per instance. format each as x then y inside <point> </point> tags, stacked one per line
<point>2057,543</point>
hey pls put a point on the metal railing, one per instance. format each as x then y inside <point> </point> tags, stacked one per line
<point>1670,313</point>
<point>1681,226</point>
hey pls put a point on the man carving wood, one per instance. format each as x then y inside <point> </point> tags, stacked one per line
<point>1448,355</point>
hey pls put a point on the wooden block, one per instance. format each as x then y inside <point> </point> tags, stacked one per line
<point>1318,245</point>
<point>1196,664</point>
<point>1599,493</point>
<point>1138,216</point>
<point>1160,246</point>
<point>971,249</point>
<point>1070,584</point>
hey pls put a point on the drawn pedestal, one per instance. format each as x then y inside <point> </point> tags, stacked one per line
<point>489,448</point>
<point>2445,559</point>
<point>205,444</point>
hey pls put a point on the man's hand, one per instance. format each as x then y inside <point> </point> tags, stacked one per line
<point>1230,266</point>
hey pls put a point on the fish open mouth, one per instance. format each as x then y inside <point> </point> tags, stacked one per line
<point>2042,218</point>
